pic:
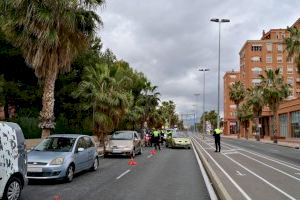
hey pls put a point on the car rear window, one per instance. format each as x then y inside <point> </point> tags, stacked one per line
<point>122,136</point>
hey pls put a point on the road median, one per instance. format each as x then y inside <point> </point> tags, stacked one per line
<point>215,180</point>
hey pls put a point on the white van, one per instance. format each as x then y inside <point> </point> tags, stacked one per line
<point>13,160</point>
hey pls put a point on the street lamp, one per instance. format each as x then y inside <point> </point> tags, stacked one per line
<point>219,21</point>
<point>197,111</point>
<point>203,70</point>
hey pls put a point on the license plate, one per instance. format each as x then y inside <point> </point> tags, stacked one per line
<point>34,169</point>
<point>116,151</point>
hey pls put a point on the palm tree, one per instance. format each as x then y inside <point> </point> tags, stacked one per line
<point>50,34</point>
<point>237,94</point>
<point>274,91</point>
<point>293,45</point>
<point>104,94</point>
<point>245,114</point>
<point>255,99</point>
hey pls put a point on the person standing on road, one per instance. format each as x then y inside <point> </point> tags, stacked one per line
<point>217,135</point>
<point>156,137</point>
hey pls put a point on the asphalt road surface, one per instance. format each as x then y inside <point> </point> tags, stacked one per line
<point>171,174</point>
<point>253,170</point>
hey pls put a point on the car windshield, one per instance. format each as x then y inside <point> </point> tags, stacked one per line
<point>179,135</point>
<point>122,136</point>
<point>58,144</point>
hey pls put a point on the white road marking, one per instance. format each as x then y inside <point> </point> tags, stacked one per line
<point>287,164</point>
<point>210,189</point>
<point>261,178</point>
<point>123,174</point>
<point>240,174</point>
<point>149,156</point>
<point>231,152</point>
<point>271,167</point>
<point>226,174</point>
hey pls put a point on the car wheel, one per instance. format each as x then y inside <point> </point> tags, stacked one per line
<point>13,189</point>
<point>70,174</point>
<point>95,165</point>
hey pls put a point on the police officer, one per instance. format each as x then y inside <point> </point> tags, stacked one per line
<point>217,135</point>
<point>156,137</point>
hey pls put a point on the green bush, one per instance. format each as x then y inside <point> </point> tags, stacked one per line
<point>29,127</point>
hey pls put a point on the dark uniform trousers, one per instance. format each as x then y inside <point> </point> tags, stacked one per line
<point>218,142</point>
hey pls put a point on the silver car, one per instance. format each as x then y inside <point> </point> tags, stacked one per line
<point>124,143</point>
<point>61,156</point>
<point>13,160</point>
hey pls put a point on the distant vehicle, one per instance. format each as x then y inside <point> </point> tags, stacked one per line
<point>13,161</point>
<point>61,156</point>
<point>180,139</point>
<point>124,143</point>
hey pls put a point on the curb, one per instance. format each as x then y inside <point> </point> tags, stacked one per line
<point>216,182</point>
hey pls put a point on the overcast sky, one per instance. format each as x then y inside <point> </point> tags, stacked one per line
<point>168,40</point>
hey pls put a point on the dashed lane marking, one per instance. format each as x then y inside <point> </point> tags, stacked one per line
<point>123,174</point>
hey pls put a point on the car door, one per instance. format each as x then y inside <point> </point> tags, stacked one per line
<point>81,158</point>
<point>91,151</point>
<point>137,142</point>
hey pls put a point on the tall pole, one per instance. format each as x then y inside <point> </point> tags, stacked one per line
<point>203,104</point>
<point>219,21</point>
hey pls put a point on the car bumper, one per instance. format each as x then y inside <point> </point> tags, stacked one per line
<point>46,172</point>
<point>185,145</point>
<point>118,152</point>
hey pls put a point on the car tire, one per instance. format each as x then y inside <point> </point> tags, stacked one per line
<point>95,165</point>
<point>69,174</point>
<point>13,189</point>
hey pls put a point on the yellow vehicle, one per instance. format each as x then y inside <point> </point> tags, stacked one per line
<point>180,139</point>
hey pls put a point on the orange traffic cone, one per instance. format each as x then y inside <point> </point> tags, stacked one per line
<point>56,197</point>
<point>153,152</point>
<point>132,162</point>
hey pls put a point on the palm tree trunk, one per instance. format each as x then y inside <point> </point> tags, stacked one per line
<point>237,122</point>
<point>47,114</point>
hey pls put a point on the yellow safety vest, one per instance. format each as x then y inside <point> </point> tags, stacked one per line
<point>218,131</point>
<point>156,133</point>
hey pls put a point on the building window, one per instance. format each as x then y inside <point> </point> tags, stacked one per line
<point>256,81</point>
<point>256,59</point>
<point>279,58</point>
<point>256,71</point>
<point>269,59</point>
<point>269,68</point>
<point>232,76</point>
<point>232,106</point>
<point>269,47</point>
<point>290,80</point>
<point>290,59</point>
<point>279,47</point>
<point>283,124</point>
<point>256,48</point>
<point>295,122</point>
<point>290,69</point>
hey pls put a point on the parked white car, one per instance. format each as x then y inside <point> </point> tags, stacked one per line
<point>13,160</point>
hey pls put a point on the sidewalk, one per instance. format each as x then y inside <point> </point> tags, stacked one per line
<point>290,142</point>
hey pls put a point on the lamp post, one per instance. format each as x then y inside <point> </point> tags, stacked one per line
<point>197,110</point>
<point>203,70</point>
<point>219,21</point>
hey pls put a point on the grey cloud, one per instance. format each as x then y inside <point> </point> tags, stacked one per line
<point>168,40</point>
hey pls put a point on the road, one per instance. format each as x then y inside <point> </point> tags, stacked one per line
<point>171,174</point>
<point>253,170</point>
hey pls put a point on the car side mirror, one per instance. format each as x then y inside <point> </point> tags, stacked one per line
<point>80,149</point>
<point>136,139</point>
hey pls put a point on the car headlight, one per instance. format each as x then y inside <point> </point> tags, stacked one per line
<point>57,161</point>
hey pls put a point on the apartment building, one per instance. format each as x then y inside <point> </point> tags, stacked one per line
<point>229,106</point>
<point>269,52</point>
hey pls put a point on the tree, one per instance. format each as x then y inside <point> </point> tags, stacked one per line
<point>274,91</point>
<point>254,98</point>
<point>50,34</point>
<point>104,93</point>
<point>245,114</point>
<point>237,94</point>
<point>293,45</point>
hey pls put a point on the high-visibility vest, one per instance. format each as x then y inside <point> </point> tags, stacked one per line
<point>155,133</point>
<point>218,131</point>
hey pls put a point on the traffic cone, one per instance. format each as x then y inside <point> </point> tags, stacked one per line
<point>56,197</point>
<point>153,152</point>
<point>132,162</point>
